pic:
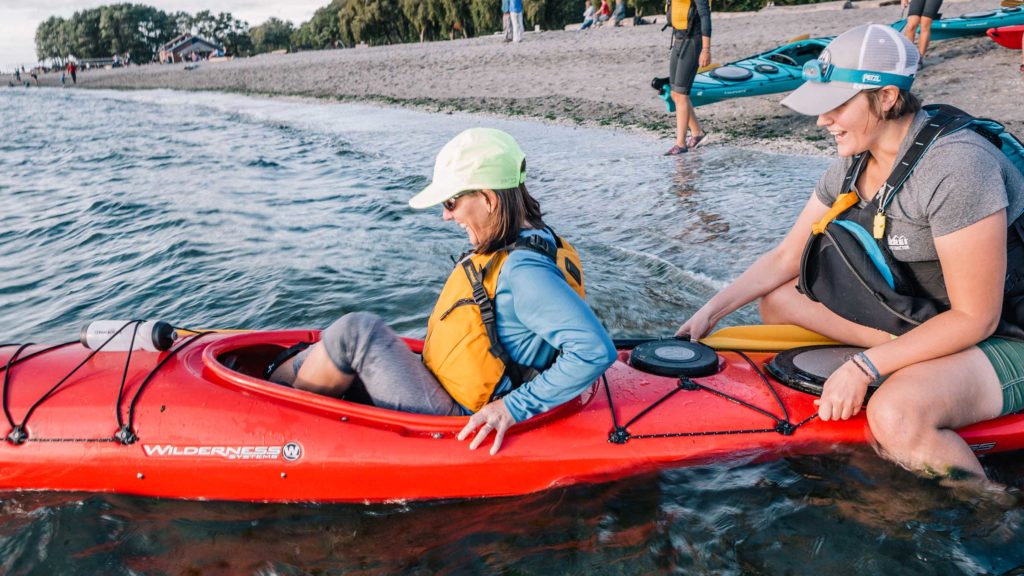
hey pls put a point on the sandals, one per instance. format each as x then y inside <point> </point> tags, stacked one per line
<point>284,356</point>
<point>677,150</point>
<point>694,141</point>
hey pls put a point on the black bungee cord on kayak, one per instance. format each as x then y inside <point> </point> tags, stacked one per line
<point>620,434</point>
<point>126,429</point>
<point>125,434</point>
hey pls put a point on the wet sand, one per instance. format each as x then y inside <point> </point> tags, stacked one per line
<point>596,78</point>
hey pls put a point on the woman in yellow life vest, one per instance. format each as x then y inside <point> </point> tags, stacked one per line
<point>510,336</point>
<point>691,49</point>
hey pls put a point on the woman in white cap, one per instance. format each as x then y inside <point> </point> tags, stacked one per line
<point>935,204</point>
<point>510,336</point>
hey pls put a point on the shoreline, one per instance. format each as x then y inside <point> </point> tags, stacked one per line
<point>597,78</point>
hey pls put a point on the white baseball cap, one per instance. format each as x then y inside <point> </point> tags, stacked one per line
<point>862,58</point>
<point>476,159</point>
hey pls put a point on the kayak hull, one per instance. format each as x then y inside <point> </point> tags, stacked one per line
<point>207,431</point>
<point>1007,36</point>
<point>971,25</point>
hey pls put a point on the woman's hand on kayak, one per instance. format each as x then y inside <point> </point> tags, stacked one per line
<point>697,326</point>
<point>843,393</point>
<point>493,417</point>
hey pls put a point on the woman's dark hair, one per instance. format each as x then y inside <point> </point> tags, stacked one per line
<point>906,103</point>
<point>515,206</point>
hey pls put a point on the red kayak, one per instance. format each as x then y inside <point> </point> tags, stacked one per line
<point>1008,36</point>
<point>197,422</point>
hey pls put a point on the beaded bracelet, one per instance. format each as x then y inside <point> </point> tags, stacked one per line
<point>867,362</point>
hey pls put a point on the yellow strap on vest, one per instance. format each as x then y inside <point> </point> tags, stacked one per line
<point>843,203</point>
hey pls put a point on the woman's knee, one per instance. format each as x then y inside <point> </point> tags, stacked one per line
<point>895,418</point>
<point>348,334</point>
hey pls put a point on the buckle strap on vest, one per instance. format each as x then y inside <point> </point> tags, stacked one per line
<point>516,372</point>
<point>843,203</point>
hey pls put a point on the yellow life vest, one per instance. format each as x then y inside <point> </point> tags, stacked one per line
<point>681,12</point>
<point>462,347</point>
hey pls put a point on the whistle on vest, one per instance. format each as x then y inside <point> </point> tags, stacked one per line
<point>879,225</point>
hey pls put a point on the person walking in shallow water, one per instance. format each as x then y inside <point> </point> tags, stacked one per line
<point>691,49</point>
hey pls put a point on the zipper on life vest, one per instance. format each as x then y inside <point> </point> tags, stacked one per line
<point>460,302</point>
<point>864,282</point>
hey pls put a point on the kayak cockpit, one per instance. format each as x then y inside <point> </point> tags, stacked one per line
<point>238,362</point>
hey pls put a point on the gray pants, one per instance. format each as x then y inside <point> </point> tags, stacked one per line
<point>506,26</point>
<point>361,343</point>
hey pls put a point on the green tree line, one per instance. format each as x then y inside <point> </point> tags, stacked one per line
<point>134,29</point>
<point>140,30</point>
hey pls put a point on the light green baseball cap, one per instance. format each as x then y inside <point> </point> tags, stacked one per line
<point>476,159</point>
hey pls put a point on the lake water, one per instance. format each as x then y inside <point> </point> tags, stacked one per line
<point>225,211</point>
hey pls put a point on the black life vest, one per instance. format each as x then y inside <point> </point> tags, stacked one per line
<point>853,272</point>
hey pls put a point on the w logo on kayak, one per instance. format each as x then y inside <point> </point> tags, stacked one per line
<point>292,451</point>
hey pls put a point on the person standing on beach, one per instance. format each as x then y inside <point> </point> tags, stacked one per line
<point>691,49</point>
<point>515,8</point>
<point>506,21</point>
<point>921,14</point>
<point>73,71</point>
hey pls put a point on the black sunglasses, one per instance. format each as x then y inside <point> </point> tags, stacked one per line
<point>449,204</point>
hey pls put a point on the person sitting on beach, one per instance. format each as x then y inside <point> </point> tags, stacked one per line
<point>952,231</point>
<point>619,13</point>
<point>921,14</point>
<point>510,336</point>
<point>604,12</point>
<point>588,15</point>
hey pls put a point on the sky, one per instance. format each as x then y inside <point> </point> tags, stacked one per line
<point>19,18</point>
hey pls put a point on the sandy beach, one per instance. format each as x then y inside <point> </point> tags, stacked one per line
<point>596,78</point>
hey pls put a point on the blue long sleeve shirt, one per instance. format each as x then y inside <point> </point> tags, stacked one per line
<point>515,6</point>
<point>539,314</point>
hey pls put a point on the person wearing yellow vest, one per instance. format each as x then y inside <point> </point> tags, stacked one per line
<point>510,336</point>
<point>691,49</point>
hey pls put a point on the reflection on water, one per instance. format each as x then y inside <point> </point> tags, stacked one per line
<point>849,513</point>
<point>226,211</point>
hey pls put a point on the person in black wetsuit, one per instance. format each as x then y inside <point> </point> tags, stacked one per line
<point>921,13</point>
<point>691,49</point>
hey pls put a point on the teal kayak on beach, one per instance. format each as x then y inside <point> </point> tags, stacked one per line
<point>777,70</point>
<point>972,23</point>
